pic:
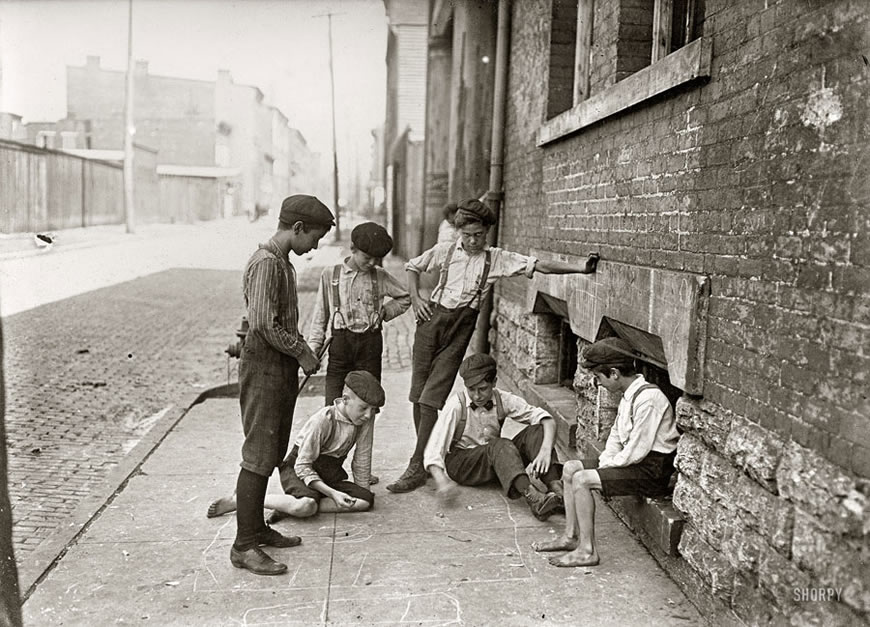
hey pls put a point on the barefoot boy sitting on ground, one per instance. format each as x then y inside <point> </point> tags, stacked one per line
<point>637,459</point>
<point>313,468</point>
<point>466,446</point>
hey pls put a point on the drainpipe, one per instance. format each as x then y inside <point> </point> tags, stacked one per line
<point>495,195</point>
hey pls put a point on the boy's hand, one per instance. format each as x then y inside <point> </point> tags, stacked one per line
<point>309,362</point>
<point>422,311</point>
<point>591,263</point>
<point>342,500</point>
<point>540,465</point>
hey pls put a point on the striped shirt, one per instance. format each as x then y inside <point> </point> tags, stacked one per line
<point>356,310</point>
<point>269,286</point>
<point>465,271</point>
<point>318,437</point>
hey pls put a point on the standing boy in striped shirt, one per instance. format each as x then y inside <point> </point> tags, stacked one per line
<point>272,354</point>
<point>468,268</point>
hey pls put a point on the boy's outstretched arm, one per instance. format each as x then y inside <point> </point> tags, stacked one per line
<point>560,267</point>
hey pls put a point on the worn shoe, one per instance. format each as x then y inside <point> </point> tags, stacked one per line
<point>276,516</point>
<point>257,561</point>
<point>542,505</point>
<point>374,479</point>
<point>270,537</point>
<point>555,487</point>
<point>413,477</point>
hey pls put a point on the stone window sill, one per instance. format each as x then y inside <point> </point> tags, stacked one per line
<point>687,64</point>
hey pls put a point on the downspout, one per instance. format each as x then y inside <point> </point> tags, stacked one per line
<point>495,195</point>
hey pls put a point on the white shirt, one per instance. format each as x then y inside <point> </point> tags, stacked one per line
<point>463,275</point>
<point>477,420</point>
<point>652,428</point>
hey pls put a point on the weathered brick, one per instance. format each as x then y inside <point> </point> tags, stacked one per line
<point>706,420</point>
<point>715,569</point>
<point>822,490</point>
<point>754,450</point>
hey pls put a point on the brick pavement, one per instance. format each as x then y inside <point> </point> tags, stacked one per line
<point>87,378</point>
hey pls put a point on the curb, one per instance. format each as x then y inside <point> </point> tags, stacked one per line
<point>51,550</point>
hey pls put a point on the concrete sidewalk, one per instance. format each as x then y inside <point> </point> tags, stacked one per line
<point>151,555</point>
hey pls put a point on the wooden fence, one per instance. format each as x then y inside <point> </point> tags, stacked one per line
<point>43,189</point>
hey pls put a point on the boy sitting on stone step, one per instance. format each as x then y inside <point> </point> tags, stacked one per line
<point>637,459</point>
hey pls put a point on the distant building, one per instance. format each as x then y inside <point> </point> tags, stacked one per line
<point>61,135</point>
<point>405,120</point>
<point>191,123</point>
<point>11,127</point>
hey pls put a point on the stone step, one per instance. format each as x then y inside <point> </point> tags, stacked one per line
<point>654,520</point>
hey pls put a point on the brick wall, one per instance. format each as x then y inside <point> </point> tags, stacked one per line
<point>756,179</point>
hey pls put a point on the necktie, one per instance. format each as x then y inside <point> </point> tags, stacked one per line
<point>487,405</point>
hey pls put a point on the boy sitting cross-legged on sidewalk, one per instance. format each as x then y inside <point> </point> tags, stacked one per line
<point>466,446</point>
<point>637,459</point>
<point>313,468</point>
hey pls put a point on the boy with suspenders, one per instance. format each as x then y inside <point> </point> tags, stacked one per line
<point>637,459</point>
<point>468,268</point>
<point>350,306</point>
<point>466,446</point>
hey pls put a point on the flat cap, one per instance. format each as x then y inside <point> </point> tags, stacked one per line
<point>372,239</point>
<point>475,368</point>
<point>366,386</point>
<point>476,211</point>
<point>307,209</point>
<point>611,351</point>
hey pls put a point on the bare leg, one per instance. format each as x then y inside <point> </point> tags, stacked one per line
<point>329,506</point>
<point>585,553</point>
<point>568,540</point>
<point>290,505</point>
<point>221,506</point>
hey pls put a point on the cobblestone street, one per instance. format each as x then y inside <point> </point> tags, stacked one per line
<point>88,376</point>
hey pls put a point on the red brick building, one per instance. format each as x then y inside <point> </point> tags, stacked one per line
<point>714,153</point>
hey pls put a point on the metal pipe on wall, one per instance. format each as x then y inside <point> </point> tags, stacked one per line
<point>495,195</point>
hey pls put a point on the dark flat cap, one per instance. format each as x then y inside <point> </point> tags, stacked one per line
<point>372,239</point>
<point>611,351</point>
<point>475,211</point>
<point>475,368</point>
<point>307,209</point>
<point>366,386</point>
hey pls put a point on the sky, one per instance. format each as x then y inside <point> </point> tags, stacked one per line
<point>279,46</point>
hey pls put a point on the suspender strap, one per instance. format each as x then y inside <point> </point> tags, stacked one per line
<point>487,264</point>
<point>376,294</point>
<point>336,298</point>
<point>647,386</point>
<point>463,415</point>
<point>442,280</point>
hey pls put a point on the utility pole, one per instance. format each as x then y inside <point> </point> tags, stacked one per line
<point>334,148</point>
<point>129,208</point>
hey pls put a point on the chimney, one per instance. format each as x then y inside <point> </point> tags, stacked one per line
<point>141,66</point>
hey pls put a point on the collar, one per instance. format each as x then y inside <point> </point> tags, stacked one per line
<point>338,413</point>
<point>459,246</point>
<point>273,248</point>
<point>488,405</point>
<point>631,389</point>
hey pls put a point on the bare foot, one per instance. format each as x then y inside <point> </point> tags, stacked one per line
<point>576,558</point>
<point>221,506</point>
<point>559,544</point>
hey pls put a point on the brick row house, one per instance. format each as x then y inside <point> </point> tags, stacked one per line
<point>714,153</point>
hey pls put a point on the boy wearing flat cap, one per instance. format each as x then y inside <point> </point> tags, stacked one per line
<point>466,446</point>
<point>316,463</point>
<point>354,299</point>
<point>272,354</point>
<point>637,459</point>
<point>468,268</point>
